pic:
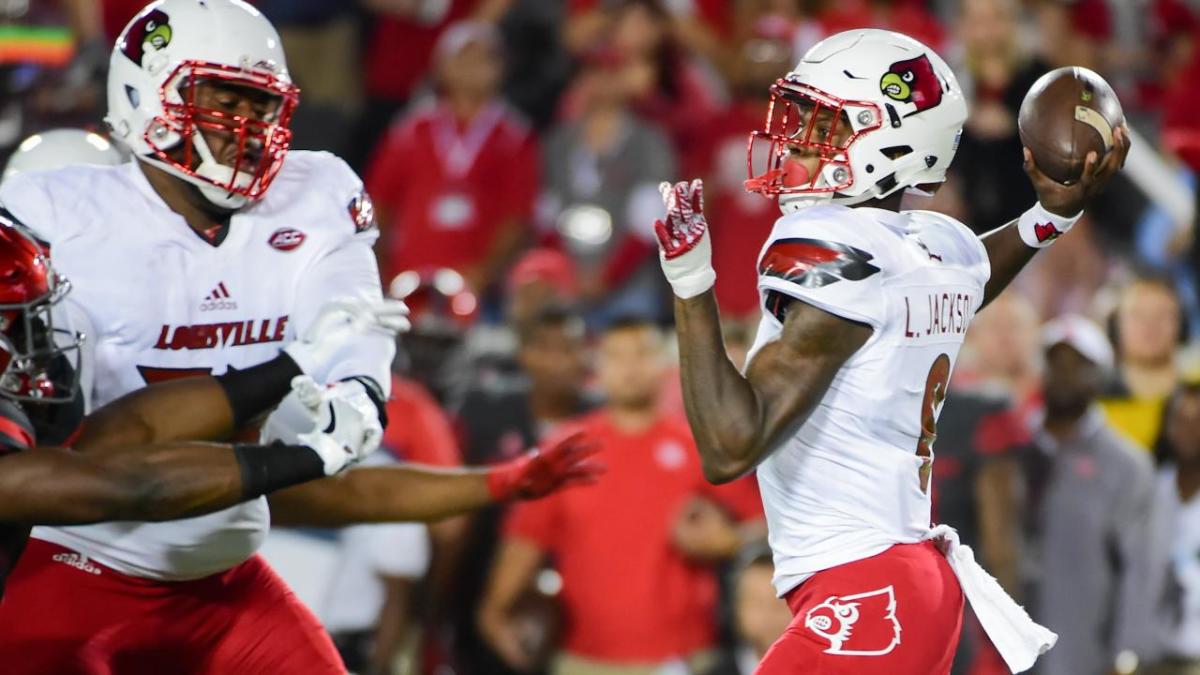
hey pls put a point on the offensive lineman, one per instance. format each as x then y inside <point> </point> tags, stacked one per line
<point>864,310</point>
<point>170,479</point>
<point>208,254</point>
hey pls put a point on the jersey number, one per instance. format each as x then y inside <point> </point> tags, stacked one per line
<point>935,393</point>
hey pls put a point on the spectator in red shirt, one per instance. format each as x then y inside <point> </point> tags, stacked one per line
<point>634,550</point>
<point>455,181</point>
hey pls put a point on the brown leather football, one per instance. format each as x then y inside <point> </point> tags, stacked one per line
<point>1068,113</point>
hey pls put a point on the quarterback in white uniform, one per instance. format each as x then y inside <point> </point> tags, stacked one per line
<point>864,309</point>
<point>209,254</point>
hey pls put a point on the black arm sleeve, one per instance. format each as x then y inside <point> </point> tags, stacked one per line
<point>267,468</point>
<point>257,389</point>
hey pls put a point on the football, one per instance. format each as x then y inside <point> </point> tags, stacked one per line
<point>1068,113</point>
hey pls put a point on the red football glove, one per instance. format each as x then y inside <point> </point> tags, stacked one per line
<point>539,472</point>
<point>685,225</point>
<point>685,250</point>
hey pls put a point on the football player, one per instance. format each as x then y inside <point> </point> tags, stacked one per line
<point>864,308</point>
<point>169,479</point>
<point>208,254</point>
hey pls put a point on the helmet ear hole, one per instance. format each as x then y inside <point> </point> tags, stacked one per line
<point>896,151</point>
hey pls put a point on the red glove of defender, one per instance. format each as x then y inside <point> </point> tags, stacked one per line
<point>539,472</point>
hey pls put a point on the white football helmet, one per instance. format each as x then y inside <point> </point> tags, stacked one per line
<point>904,111</point>
<point>61,147</point>
<point>168,48</point>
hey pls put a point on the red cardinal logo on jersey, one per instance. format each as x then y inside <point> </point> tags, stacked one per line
<point>813,263</point>
<point>147,33</point>
<point>863,624</point>
<point>913,81</point>
<point>1045,232</point>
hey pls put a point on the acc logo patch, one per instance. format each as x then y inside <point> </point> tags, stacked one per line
<point>148,33</point>
<point>286,239</point>
<point>863,624</point>
<point>912,81</point>
<point>362,212</point>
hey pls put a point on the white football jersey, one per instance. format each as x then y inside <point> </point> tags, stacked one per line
<point>163,302</point>
<point>853,480</point>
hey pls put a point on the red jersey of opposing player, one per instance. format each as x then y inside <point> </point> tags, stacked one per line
<point>628,594</point>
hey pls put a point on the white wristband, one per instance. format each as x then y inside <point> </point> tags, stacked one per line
<point>691,273</point>
<point>1039,228</point>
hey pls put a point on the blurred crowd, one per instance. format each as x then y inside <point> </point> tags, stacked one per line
<point>513,150</point>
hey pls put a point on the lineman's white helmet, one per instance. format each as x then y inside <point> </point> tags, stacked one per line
<point>61,147</point>
<point>904,109</point>
<point>168,48</point>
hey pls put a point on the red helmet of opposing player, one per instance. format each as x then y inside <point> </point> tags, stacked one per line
<point>37,361</point>
<point>438,300</point>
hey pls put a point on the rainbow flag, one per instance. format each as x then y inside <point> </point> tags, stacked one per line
<point>42,45</point>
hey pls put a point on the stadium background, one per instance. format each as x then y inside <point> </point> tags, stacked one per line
<point>513,149</point>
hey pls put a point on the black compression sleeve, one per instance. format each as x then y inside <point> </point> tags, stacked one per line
<point>267,468</point>
<point>257,389</point>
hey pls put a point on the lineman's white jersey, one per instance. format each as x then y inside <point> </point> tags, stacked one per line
<point>163,302</point>
<point>849,484</point>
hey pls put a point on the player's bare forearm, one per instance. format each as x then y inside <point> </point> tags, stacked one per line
<point>1008,255</point>
<point>185,409</point>
<point>55,486</point>
<point>381,495</point>
<point>723,410</point>
<point>735,419</point>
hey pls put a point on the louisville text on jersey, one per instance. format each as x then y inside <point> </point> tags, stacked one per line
<point>813,263</point>
<point>224,334</point>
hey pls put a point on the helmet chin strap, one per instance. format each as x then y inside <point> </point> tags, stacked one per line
<point>796,174</point>
<point>213,170</point>
<point>209,169</point>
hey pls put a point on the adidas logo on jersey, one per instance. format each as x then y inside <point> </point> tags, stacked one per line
<point>76,560</point>
<point>218,299</point>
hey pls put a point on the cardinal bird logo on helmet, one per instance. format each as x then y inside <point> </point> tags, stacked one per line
<point>147,33</point>
<point>913,81</point>
<point>863,624</point>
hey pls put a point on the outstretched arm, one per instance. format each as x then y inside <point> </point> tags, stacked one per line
<point>165,481</point>
<point>56,486</point>
<point>419,493</point>
<point>1011,247</point>
<point>738,420</point>
<point>382,494</point>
